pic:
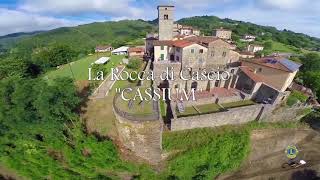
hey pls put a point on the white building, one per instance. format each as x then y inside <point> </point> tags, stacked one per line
<point>121,51</point>
<point>102,60</point>
<point>254,48</point>
<point>248,38</point>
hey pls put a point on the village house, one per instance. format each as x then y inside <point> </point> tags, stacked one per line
<point>248,38</point>
<point>222,33</point>
<point>254,48</point>
<point>136,52</point>
<point>246,55</point>
<point>276,71</point>
<point>105,48</point>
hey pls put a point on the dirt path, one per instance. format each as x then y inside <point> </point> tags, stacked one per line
<point>267,155</point>
<point>103,90</point>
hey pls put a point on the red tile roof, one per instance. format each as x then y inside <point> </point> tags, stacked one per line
<point>163,43</point>
<point>202,39</point>
<point>255,77</point>
<point>182,43</point>
<point>250,73</point>
<point>136,49</point>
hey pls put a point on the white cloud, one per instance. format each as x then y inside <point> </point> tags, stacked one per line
<point>12,21</point>
<point>298,22</point>
<point>194,4</point>
<point>283,4</point>
<point>77,7</point>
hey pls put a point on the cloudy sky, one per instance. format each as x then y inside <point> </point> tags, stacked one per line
<point>30,15</point>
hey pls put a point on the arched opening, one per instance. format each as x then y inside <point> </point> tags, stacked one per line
<point>194,85</point>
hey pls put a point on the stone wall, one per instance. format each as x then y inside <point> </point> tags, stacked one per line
<point>143,138</point>
<point>140,134</point>
<point>284,114</point>
<point>233,116</point>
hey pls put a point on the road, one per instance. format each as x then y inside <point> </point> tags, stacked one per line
<point>267,155</point>
<point>104,88</point>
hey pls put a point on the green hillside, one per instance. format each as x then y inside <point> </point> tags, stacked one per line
<point>86,37</point>
<point>207,23</point>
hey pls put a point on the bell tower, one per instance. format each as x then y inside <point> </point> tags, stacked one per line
<point>166,19</point>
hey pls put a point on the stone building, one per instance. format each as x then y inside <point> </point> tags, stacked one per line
<point>222,33</point>
<point>166,19</point>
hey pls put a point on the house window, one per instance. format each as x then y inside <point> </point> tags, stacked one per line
<point>178,49</point>
<point>177,58</point>
<point>162,57</point>
<point>260,70</point>
<point>192,51</point>
<point>212,53</point>
<point>166,17</point>
<point>224,54</point>
<point>162,47</point>
<point>232,71</point>
<point>201,51</point>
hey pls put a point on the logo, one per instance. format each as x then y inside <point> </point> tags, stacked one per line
<point>291,152</point>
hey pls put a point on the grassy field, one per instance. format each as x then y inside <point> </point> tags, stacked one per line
<point>99,115</point>
<point>206,153</point>
<point>279,47</point>
<point>80,67</point>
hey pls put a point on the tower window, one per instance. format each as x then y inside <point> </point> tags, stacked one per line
<point>166,17</point>
<point>224,54</point>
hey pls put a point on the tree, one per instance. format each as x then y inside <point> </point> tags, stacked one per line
<point>60,54</point>
<point>311,79</point>
<point>311,62</point>
<point>267,45</point>
<point>57,101</point>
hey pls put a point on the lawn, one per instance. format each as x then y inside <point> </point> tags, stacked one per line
<point>279,47</point>
<point>135,106</point>
<point>209,108</point>
<point>188,111</point>
<point>238,104</point>
<point>212,108</point>
<point>80,67</point>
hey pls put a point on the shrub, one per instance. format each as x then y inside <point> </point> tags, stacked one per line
<point>134,64</point>
<point>296,96</point>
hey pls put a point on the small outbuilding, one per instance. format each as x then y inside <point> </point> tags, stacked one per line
<point>104,48</point>
<point>120,51</point>
<point>136,52</point>
<point>102,60</point>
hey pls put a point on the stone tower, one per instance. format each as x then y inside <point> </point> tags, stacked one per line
<point>166,18</point>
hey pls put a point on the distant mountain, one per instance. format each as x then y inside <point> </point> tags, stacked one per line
<point>84,38</point>
<point>8,41</point>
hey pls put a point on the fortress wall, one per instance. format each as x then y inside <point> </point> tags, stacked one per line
<point>143,138</point>
<point>233,116</point>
